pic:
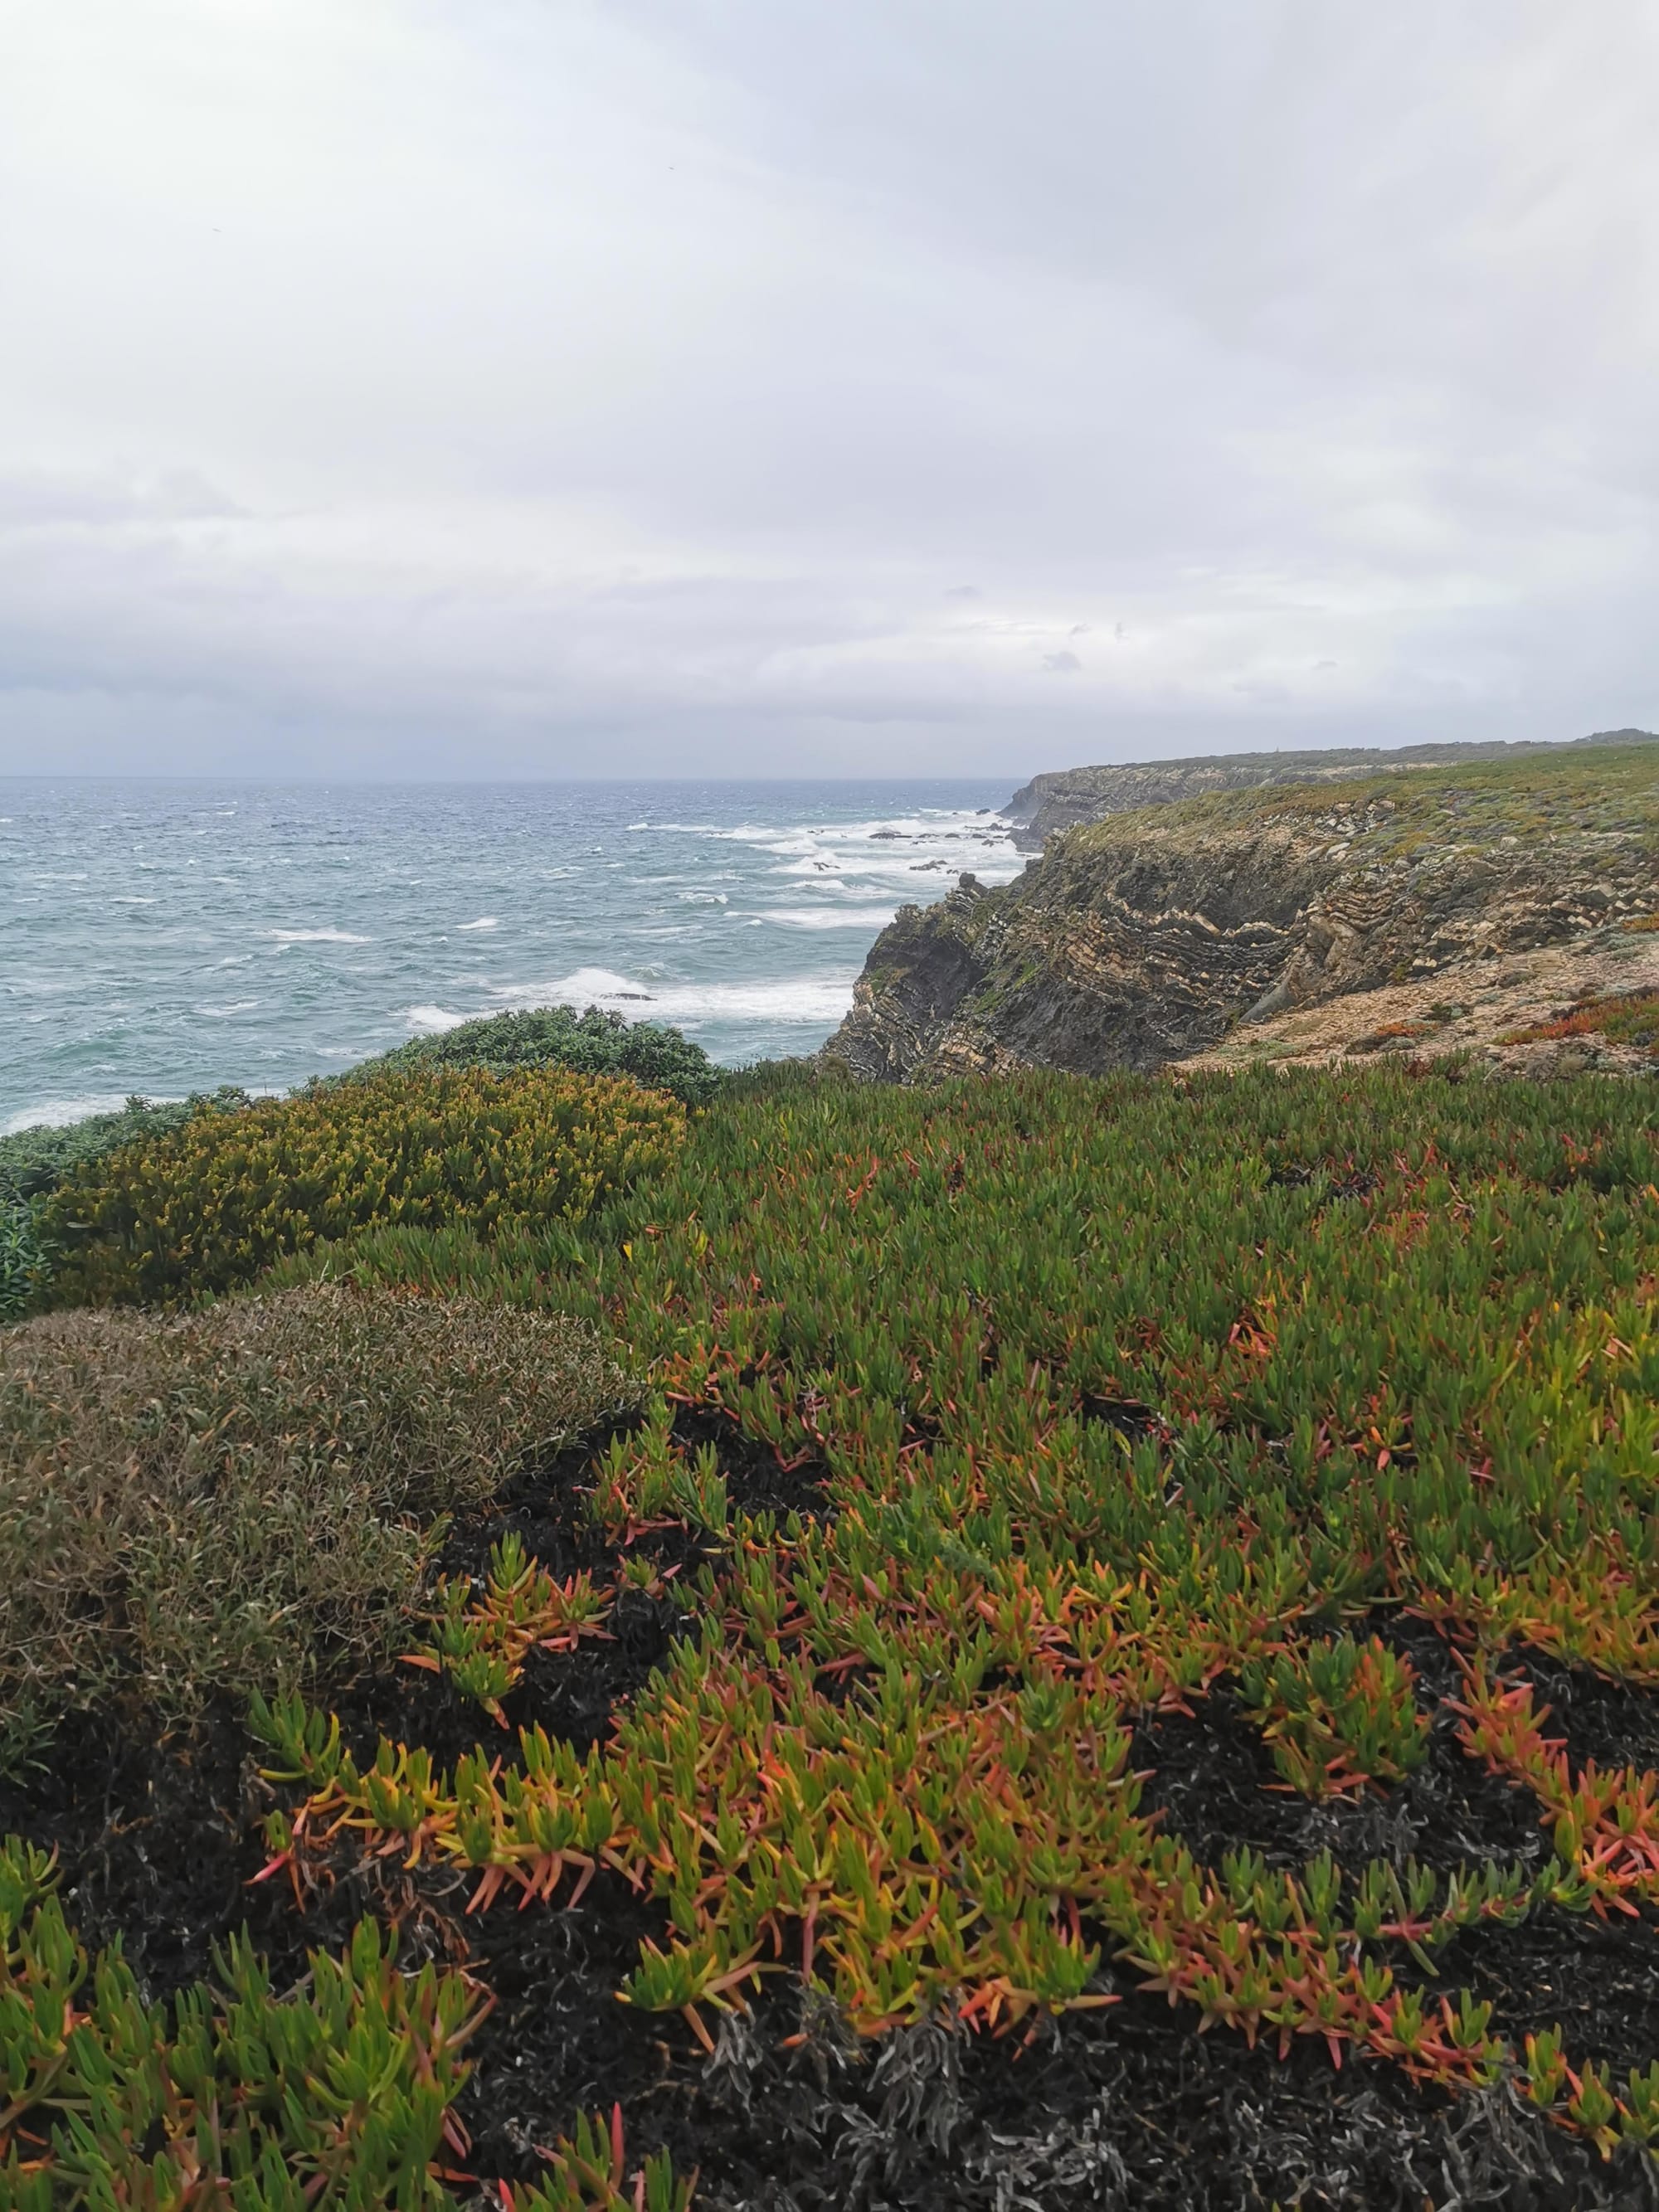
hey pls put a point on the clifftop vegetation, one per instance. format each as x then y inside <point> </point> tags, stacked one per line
<point>1066,797</point>
<point>1079,1564</point>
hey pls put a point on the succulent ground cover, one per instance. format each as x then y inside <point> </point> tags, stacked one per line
<point>1115,1665</point>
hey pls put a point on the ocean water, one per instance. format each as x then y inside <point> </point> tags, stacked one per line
<point>164,938</point>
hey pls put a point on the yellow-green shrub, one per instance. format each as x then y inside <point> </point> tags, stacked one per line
<point>211,1205</point>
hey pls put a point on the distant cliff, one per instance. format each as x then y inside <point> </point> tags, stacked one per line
<point>1067,798</point>
<point>1447,899</point>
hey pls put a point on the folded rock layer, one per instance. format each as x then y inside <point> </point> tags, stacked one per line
<point>1204,925</point>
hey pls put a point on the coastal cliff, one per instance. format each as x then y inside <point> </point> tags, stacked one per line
<point>1067,798</point>
<point>1451,908</point>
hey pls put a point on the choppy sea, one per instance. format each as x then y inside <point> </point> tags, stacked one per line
<point>164,938</point>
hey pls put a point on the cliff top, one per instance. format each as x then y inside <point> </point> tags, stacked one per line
<point>1609,789</point>
<point>1064,798</point>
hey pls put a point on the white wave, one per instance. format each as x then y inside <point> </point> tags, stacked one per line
<point>58,1112</point>
<point>434,1018</point>
<point>704,898</point>
<point>484,921</point>
<point>830,917</point>
<point>314,937</point>
<point>596,986</point>
<point>819,999</point>
<point>236,1006</point>
<point>131,899</point>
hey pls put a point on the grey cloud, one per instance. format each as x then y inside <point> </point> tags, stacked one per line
<point>437,385</point>
<point>44,498</point>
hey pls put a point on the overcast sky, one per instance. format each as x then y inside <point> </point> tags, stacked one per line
<point>735,386</point>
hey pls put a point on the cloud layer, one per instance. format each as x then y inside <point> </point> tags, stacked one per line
<point>733,385</point>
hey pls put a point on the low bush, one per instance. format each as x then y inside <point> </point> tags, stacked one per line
<point>252,1495</point>
<point>593,1043</point>
<point>207,1206</point>
<point>23,1260</point>
<point>1629,1018</point>
<point>35,1162</point>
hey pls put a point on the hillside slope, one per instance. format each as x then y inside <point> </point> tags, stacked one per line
<point>1494,895</point>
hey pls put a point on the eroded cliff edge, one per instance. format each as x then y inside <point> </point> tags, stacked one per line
<point>1452,907</point>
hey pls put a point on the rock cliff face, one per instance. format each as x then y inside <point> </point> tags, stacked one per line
<point>1183,928</point>
<point>1068,798</point>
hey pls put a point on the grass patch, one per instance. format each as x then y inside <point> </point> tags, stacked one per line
<point>251,1497</point>
<point>1592,790</point>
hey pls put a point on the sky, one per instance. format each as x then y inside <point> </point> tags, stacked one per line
<point>700,387</point>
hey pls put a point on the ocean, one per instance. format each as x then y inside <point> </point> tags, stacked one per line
<point>162,937</point>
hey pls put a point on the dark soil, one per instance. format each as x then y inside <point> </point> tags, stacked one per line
<point>1123,2107</point>
<point>1217,1787</point>
<point>157,1840</point>
<point>1615,1723</point>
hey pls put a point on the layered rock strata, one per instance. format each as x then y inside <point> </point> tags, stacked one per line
<point>1156,936</point>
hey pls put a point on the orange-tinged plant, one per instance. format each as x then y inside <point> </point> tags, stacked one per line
<point>1336,1713</point>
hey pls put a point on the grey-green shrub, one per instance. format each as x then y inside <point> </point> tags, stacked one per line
<point>249,1498</point>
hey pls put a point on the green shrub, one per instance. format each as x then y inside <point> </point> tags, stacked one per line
<point>210,1205</point>
<point>22,1256</point>
<point>35,1162</point>
<point>593,1043</point>
<point>250,1495</point>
